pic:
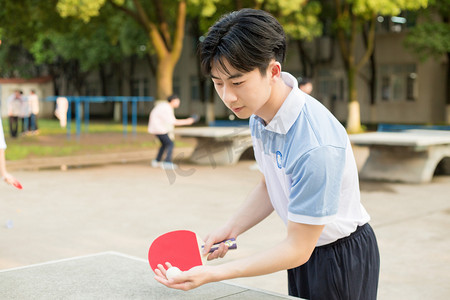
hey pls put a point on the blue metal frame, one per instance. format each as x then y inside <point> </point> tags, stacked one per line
<point>384,127</point>
<point>86,100</point>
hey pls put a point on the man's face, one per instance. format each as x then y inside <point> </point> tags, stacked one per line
<point>175,103</point>
<point>243,93</point>
<point>307,88</point>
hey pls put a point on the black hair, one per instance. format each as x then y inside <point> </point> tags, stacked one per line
<point>303,80</point>
<point>172,97</point>
<point>247,39</point>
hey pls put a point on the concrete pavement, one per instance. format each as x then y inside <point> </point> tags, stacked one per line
<point>123,207</point>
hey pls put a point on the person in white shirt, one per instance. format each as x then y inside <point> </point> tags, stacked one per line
<point>162,122</point>
<point>33,102</point>
<point>309,175</point>
<point>62,105</point>
<point>14,112</point>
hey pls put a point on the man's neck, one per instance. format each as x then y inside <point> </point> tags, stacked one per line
<point>280,92</point>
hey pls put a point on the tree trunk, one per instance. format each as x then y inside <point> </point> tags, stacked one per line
<point>353,118</point>
<point>164,73</point>
<point>168,53</point>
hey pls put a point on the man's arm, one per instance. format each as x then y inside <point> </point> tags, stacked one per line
<point>4,175</point>
<point>292,252</point>
<point>2,162</point>
<point>255,209</point>
<point>184,122</point>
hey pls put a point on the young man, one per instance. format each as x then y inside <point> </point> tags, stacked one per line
<point>161,123</point>
<point>310,175</point>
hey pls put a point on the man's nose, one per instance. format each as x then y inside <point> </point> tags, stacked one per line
<point>228,95</point>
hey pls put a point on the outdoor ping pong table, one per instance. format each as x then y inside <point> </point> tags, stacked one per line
<point>108,275</point>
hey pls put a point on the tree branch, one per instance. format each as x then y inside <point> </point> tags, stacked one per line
<point>342,41</point>
<point>140,12</point>
<point>163,26</point>
<point>370,44</point>
<point>154,34</point>
<point>130,13</point>
<point>179,31</point>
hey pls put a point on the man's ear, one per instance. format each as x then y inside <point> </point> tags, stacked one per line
<point>275,70</point>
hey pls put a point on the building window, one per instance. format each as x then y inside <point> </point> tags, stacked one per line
<point>397,83</point>
<point>385,88</point>
<point>139,87</point>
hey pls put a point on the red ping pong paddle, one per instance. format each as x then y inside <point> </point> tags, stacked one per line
<point>14,182</point>
<point>17,184</point>
<point>181,249</point>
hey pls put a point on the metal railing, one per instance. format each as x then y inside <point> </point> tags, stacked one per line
<point>86,100</point>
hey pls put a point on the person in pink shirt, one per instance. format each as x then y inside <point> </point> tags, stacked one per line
<point>162,122</point>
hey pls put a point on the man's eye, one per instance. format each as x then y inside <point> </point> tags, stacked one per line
<point>237,83</point>
<point>217,83</point>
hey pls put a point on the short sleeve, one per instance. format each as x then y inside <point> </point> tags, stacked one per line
<point>316,185</point>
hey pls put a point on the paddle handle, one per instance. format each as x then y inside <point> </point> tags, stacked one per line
<point>231,243</point>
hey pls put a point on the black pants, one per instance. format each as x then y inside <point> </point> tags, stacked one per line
<point>13,125</point>
<point>166,145</point>
<point>346,269</point>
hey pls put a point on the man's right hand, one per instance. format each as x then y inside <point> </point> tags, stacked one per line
<point>215,237</point>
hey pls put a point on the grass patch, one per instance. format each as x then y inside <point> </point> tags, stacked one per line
<point>18,152</point>
<point>99,137</point>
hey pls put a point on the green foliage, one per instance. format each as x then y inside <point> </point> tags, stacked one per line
<point>366,8</point>
<point>204,8</point>
<point>88,44</point>
<point>15,61</point>
<point>303,23</point>
<point>361,11</point>
<point>36,26</point>
<point>431,38</point>
<point>298,17</point>
<point>22,20</point>
<point>83,9</point>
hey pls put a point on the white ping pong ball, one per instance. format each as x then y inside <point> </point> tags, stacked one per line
<point>172,271</point>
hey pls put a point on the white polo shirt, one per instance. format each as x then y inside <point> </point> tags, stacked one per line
<point>306,157</point>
